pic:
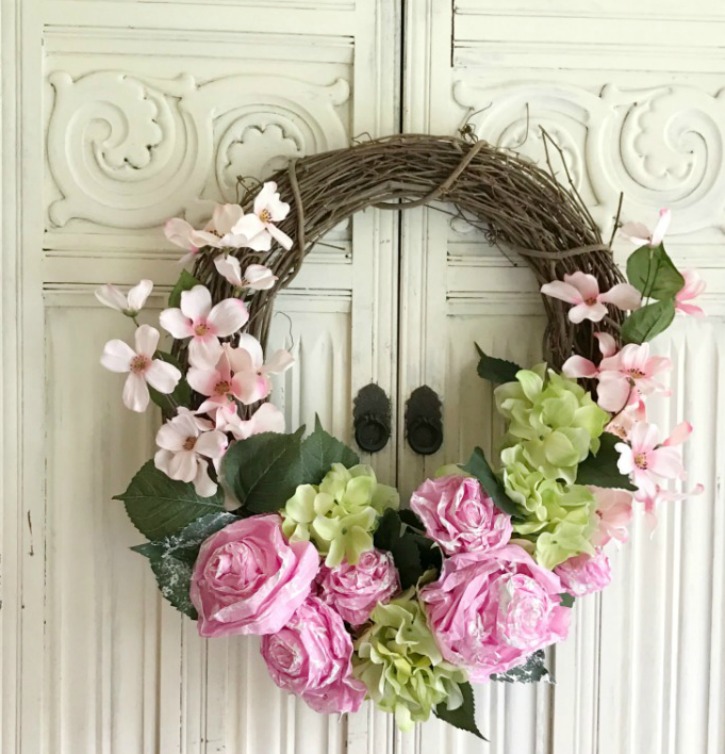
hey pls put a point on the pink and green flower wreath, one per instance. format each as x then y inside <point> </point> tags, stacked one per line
<point>255,531</point>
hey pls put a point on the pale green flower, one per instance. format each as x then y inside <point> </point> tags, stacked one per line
<point>554,425</point>
<point>340,515</point>
<point>399,662</point>
<point>554,421</point>
<point>562,527</point>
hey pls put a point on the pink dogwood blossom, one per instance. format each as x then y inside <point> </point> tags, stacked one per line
<point>582,291</point>
<point>651,501</point>
<point>579,367</point>
<point>141,367</point>
<point>219,233</point>
<point>187,443</point>
<point>129,304</point>
<point>623,376</point>
<point>629,374</point>
<point>256,277</point>
<point>259,226</point>
<point>621,424</point>
<point>614,514</point>
<point>647,460</point>
<point>694,287</point>
<point>204,324</point>
<point>640,235</point>
<point>254,371</point>
<point>223,384</point>
<point>267,418</point>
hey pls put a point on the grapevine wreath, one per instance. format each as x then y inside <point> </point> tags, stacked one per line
<point>252,530</point>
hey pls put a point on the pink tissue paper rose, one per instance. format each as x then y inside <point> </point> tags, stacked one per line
<point>459,515</point>
<point>249,580</point>
<point>585,574</point>
<point>311,657</point>
<point>490,610</point>
<point>353,591</point>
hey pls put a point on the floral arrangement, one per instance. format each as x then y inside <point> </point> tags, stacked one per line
<point>252,530</point>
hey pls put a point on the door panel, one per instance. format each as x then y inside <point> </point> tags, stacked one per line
<point>635,105</point>
<point>127,113</point>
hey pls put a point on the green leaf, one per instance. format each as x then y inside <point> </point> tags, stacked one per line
<point>601,470</point>
<point>402,544</point>
<point>645,323</point>
<point>653,274</point>
<point>478,466</point>
<point>159,506</point>
<point>532,671</point>
<point>174,578</point>
<point>172,559</point>
<point>463,718</point>
<point>496,370</point>
<point>182,392</point>
<point>566,599</point>
<point>185,545</point>
<point>264,470</point>
<point>185,282</point>
<point>411,518</point>
<point>319,451</point>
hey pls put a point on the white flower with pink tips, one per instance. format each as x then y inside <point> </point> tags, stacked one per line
<point>141,367</point>
<point>581,290</point>
<point>204,324</point>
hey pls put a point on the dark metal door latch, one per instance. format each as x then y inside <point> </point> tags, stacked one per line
<point>372,418</point>
<point>423,421</point>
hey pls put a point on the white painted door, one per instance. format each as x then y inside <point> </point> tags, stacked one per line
<point>632,92</point>
<point>119,113</point>
<point>115,116</point>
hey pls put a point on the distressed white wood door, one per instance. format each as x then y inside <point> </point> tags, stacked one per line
<point>633,94</point>
<point>117,114</point>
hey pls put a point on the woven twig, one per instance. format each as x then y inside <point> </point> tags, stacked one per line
<point>521,207</point>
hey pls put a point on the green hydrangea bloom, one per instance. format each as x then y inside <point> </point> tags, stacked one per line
<point>553,426</point>
<point>340,514</point>
<point>554,421</point>
<point>562,524</point>
<point>401,666</point>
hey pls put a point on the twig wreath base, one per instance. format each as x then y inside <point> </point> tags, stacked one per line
<point>256,531</point>
<point>519,206</point>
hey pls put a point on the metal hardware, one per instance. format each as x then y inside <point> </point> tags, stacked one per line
<point>371,418</point>
<point>423,421</point>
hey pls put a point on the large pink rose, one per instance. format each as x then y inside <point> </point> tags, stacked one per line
<point>311,657</point>
<point>490,610</point>
<point>354,590</point>
<point>249,580</point>
<point>585,574</point>
<point>459,515</point>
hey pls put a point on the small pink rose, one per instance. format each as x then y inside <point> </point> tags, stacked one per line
<point>311,657</point>
<point>459,515</point>
<point>353,591</point>
<point>491,610</point>
<point>249,580</point>
<point>585,574</point>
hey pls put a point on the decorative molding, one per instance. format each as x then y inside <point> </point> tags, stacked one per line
<point>130,152</point>
<point>289,5</point>
<point>658,145</point>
